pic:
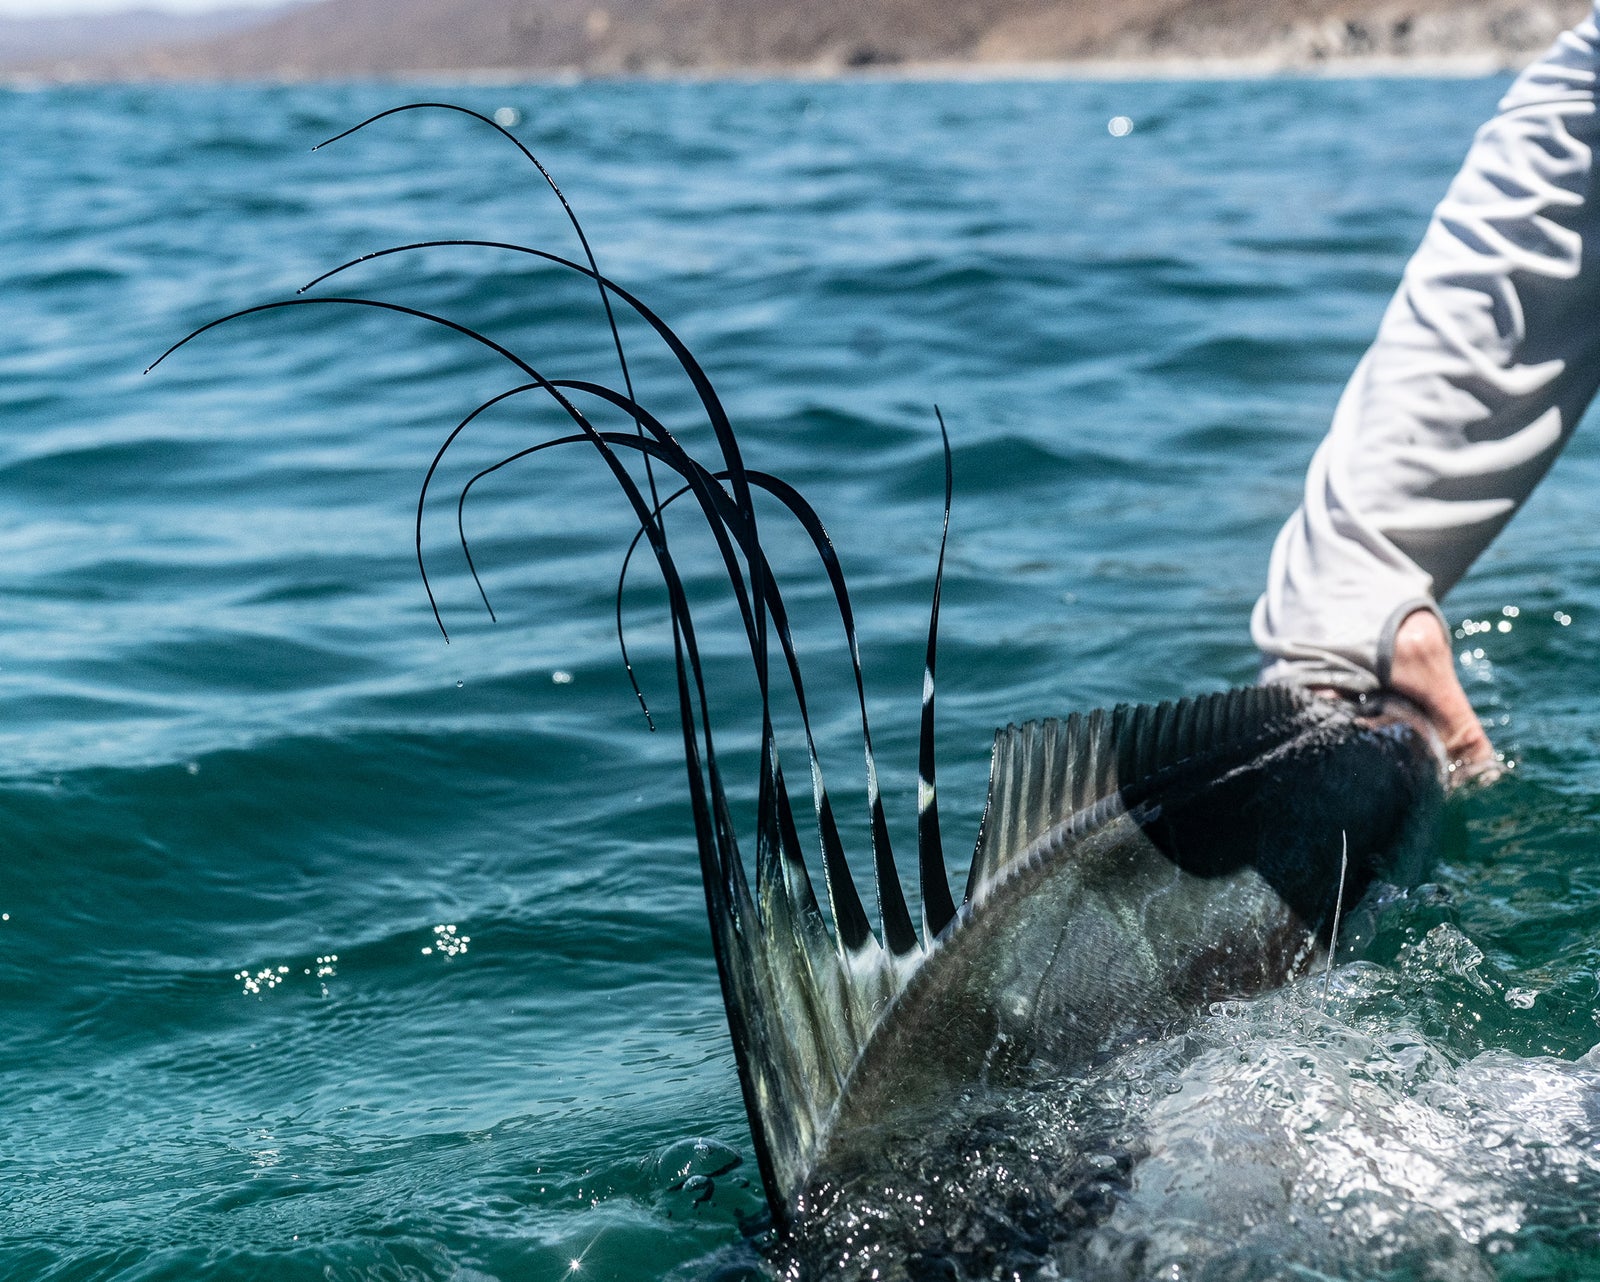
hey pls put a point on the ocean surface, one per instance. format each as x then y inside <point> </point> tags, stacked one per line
<point>332,950</point>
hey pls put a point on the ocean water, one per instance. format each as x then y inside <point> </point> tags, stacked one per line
<point>332,950</point>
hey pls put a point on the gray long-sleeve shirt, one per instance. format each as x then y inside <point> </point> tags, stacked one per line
<point>1484,361</point>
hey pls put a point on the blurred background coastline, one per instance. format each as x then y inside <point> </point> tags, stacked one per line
<point>508,39</point>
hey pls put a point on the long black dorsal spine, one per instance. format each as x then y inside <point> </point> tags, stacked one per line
<point>803,995</point>
<point>938,908</point>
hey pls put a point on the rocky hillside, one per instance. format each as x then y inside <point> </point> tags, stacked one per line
<point>341,38</point>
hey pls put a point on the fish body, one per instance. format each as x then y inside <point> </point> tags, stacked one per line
<point>1214,876</point>
<point>1132,867</point>
<point>1200,857</point>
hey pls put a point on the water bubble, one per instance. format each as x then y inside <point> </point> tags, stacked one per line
<point>1503,626</point>
<point>1563,618</point>
<point>1119,126</point>
<point>1510,611</point>
<point>507,117</point>
<point>561,678</point>
<point>685,1159</point>
<point>459,684</point>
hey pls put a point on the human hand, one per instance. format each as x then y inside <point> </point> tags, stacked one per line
<point>1424,671</point>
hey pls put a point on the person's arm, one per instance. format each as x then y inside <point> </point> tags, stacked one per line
<point>1485,360</point>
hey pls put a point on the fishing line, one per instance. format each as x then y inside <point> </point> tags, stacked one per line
<point>1338,904</point>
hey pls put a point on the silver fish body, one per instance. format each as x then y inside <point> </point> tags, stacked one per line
<point>1210,871</point>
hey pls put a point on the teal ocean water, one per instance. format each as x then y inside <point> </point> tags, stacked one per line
<point>329,950</point>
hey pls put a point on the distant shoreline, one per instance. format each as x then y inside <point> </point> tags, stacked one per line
<point>1109,70</point>
<point>1454,67</point>
<point>697,41</point>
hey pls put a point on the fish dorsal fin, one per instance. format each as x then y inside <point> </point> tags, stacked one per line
<point>1082,768</point>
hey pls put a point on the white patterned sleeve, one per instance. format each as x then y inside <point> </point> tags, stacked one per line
<point>1485,360</point>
